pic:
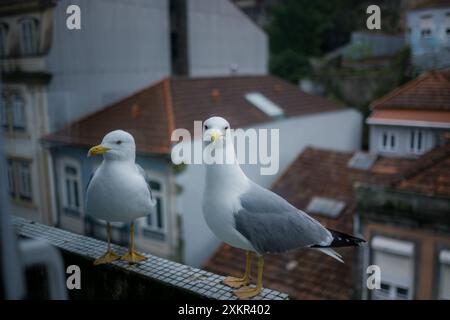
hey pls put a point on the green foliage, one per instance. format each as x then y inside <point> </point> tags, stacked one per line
<point>301,29</point>
<point>294,34</point>
<point>289,65</point>
<point>296,25</point>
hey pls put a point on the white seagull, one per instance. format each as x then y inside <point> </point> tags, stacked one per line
<point>118,191</point>
<point>252,218</point>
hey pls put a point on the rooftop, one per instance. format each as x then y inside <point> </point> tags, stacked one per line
<point>430,174</point>
<point>429,4</point>
<point>152,113</point>
<point>417,118</point>
<point>429,91</point>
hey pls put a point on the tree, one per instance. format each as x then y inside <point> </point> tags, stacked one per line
<point>300,29</point>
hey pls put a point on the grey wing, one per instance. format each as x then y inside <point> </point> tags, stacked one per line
<point>90,179</point>
<point>144,175</point>
<point>272,224</point>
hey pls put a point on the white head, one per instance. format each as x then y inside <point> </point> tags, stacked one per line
<point>116,145</point>
<point>216,130</point>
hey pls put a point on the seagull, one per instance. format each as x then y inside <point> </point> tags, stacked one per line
<point>118,190</point>
<point>249,217</point>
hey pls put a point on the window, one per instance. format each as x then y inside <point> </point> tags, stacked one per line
<point>4,112</point>
<point>156,220</point>
<point>395,259</point>
<point>155,223</point>
<point>29,36</point>
<point>426,26</point>
<point>19,179</point>
<point>71,186</point>
<point>362,160</point>
<point>388,141</point>
<point>417,141</point>
<point>13,117</point>
<point>325,206</point>
<point>264,104</point>
<point>3,39</point>
<point>18,112</point>
<point>444,275</point>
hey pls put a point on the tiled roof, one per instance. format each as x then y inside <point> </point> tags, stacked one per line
<point>429,91</point>
<point>152,113</point>
<point>307,274</point>
<point>410,117</point>
<point>430,174</point>
<point>428,4</point>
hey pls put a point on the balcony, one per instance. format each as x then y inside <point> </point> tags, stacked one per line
<point>156,278</point>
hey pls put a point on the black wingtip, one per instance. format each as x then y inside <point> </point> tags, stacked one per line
<point>341,239</point>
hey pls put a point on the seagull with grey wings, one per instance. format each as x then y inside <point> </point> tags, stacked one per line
<point>118,191</point>
<point>252,218</point>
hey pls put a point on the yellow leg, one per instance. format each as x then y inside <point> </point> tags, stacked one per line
<point>132,256</point>
<point>239,282</point>
<point>250,292</point>
<point>109,256</point>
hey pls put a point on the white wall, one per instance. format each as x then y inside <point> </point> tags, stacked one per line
<point>220,35</point>
<point>402,134</point>
<point>338,130</point>
<point>123,45</point>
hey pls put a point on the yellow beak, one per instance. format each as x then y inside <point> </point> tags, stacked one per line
<point>97,150</point>
<point>215,135</point>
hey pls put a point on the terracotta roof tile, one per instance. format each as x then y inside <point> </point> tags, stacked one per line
<point>430,91</point>
<point>314,173</point>
<point>122,115</point>
<point>426,4</point>
<point>430,174</point>
<point>410,117</point>
<point>152,113</point>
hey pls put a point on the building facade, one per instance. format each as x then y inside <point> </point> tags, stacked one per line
<point>53,75</point>
<point>428,34</point>
<point>412,119</point>
<point>407,228</point>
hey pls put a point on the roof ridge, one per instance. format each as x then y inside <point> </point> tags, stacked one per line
<point>109,105</point>
<point>227,77</point>
<point>417,167</point>
<point>429,4</point>
<point>406,86</point>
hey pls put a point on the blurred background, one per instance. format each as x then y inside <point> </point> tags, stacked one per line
<point>364,120</point>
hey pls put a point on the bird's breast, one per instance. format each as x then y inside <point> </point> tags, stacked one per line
<point>117,195</point>
<point>219,206</point>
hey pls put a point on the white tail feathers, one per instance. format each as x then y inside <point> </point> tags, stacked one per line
<point>330,252</point>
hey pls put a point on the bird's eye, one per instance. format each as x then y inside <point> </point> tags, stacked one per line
<point>119,142</point>
<point>226,128</point>
<point>206,127</point>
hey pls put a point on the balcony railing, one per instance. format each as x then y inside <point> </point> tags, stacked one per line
<point>156,278</point>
